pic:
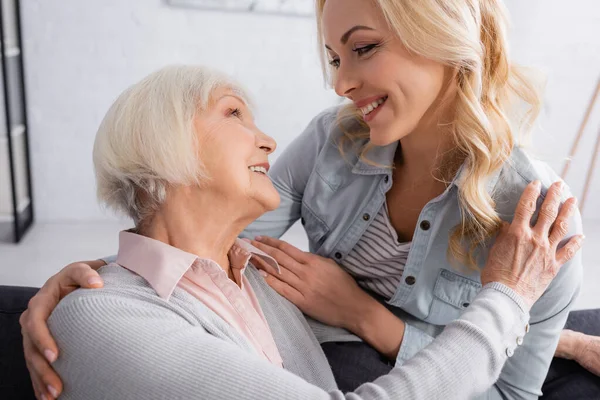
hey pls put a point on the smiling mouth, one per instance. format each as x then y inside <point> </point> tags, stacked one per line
<point>260,170</point>
<point>375,104</point>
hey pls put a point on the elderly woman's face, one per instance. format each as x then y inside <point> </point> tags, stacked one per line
<point>235,153</point>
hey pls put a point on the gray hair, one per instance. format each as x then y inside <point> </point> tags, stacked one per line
<point>147,140</point>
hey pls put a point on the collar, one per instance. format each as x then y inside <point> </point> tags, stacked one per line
<point>163,265</point>
<point>383,156</point>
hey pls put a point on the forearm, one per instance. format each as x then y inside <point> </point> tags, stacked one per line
<point>378,326</point>
<point>584,349</point>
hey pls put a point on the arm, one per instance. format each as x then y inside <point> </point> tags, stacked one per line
<point>582,348</point>
<point>525,372</point>
<point>112,346</point>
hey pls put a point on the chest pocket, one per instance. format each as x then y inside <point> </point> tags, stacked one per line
<point>316,229</point>
<point>451,295</point>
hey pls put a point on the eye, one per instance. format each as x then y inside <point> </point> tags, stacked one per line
<point>335,63</point>
<point>234,112</point>
<point>364,50</point>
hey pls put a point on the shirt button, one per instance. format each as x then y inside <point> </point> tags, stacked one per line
<point>410,280</point>
<point>303,221</point>
<point>527,328</point>
<point>425,225</point>
<point>366,217</point>
<point>510,352</point>
<point>519,340</point>
<point>338,255</point>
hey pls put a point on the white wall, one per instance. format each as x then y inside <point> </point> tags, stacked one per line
<point>562,40</point>
<point>81,54</point>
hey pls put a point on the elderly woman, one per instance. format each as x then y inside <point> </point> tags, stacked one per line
<point>183,314</point>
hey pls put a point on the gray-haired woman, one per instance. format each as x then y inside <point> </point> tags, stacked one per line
<point>184,314</point>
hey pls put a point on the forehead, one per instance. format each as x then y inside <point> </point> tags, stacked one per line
<point>225,92</point>
<point>341,15</point>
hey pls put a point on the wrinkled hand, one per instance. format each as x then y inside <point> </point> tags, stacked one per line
<point>527,258</point>
<point>39,347</point>
<point>318,286</point>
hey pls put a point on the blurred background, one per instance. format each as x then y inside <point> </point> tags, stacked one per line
<point>77,56</point>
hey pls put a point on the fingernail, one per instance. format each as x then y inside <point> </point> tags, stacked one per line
<point>53,391</point>
<point>258,238</point>
<point>263,273</point>
<point>44,397</point>
<point>50,355</point>
<point>537,184</point>
<point>575,201</point>
<point>561,185</point>
<point>247,240</point>
<point>94,281</point>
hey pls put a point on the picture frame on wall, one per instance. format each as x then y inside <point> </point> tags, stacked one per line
<point>298,8</point>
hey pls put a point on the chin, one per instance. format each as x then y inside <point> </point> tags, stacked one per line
<point>381,137</point>
<point>387,134</point>
<point>269,201</point>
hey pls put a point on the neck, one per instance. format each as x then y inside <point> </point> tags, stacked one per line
<point>429,147</point>
<point>200,225</point>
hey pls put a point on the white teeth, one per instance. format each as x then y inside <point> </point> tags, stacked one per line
<point>370,107</point>
<point>262,170</point>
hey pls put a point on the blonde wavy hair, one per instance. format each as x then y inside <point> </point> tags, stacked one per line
<point>492,94</point>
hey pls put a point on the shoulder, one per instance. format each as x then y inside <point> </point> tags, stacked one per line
<point>525,168</point>
<point>326,128</point>
<point>116,307</point>
<point>516,173</point>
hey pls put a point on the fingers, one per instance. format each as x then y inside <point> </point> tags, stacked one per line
<point>280,255</point>
<point>44,379</point>
<point>548,210</point>
<point>82,275</point>
<point>285,247</point>
<point>567,252</point>
<point>561,225</point>
<point>261,264</point>
<point>285,290</point>
<point>33,322</point>
<point>285,274</point>
<point>526,206</point>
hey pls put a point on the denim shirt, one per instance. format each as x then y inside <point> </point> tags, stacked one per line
<point>336,198</point>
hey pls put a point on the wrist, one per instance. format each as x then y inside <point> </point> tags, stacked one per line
<point>569,345</point>
<point>378,326</point>
<point>360,313</point>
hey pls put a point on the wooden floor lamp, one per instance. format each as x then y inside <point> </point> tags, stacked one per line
<point>590,171</point>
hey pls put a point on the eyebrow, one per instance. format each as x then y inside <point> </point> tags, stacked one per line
<point>235,97</point>
<point>346,36</point>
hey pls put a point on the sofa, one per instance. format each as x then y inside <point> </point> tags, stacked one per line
<point>15,383</point>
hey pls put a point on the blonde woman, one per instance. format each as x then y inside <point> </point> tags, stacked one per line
<point>402,191</point>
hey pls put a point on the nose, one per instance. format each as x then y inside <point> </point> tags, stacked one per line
<point>345,81</point>
<point>265,142</point>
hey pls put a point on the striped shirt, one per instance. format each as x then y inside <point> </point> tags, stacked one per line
<point>377,260</point>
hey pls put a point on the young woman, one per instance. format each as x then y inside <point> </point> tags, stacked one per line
<point>406,186</point>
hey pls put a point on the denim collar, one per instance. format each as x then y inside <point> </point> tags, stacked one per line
<point>382,159</point>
